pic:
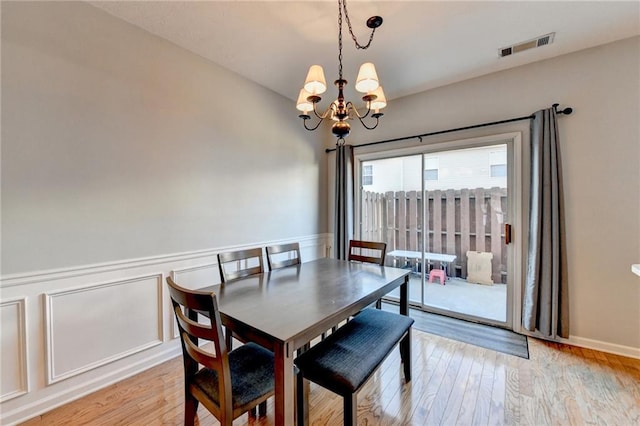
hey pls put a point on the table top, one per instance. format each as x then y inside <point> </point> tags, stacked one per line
<point>293,303</point>
<point>440,257</point>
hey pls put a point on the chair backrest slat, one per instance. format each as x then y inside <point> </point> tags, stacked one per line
<point>367,245</point>
<point>280,249</point>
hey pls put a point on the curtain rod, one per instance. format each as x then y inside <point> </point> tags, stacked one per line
<point>565,111</point>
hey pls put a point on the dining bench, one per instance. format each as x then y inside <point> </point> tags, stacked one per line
<point>346,359</point>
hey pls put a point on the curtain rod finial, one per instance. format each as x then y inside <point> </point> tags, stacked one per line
<point>565,111</point>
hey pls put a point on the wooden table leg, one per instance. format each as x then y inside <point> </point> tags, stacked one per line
<point>284,385</point>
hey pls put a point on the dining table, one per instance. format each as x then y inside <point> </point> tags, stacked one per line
<point>285,309</point>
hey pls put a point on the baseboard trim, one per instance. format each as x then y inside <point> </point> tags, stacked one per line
<point>601,346</point>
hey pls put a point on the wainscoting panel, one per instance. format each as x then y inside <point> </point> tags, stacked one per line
<point>13,341</point>
<point>91,326</point>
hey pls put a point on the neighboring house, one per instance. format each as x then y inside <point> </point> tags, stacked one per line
<point>484,167</point>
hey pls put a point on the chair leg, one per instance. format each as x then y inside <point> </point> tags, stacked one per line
<point>262,409</point>
<point>379,304</point>
<point>190,409</point>
<point>350,410</point>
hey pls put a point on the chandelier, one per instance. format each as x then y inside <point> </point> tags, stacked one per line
<point>339,110</point>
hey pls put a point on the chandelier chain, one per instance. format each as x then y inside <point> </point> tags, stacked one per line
<point>355,40</point>
<point>340,39</point>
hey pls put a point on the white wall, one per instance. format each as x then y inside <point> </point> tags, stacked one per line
<point>126,159</point>
<point>600,145</point>
<point>117,144</point>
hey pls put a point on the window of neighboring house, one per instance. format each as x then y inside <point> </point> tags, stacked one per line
<point>367,175</point>
<point>498,163</point>
<point>431,166</point>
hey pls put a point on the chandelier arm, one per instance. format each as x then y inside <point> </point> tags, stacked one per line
<point>353,108</point>
<point>362,117</point>
<point>365,125</point>
<point>311,129</point>
<point>355,40</point>
<point>324,114</point>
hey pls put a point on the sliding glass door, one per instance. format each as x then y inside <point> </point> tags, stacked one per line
<point>444,214</point>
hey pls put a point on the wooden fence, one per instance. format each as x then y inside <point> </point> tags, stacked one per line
<point>457,221</point>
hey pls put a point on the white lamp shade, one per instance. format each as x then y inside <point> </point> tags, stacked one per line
<point>380,101</point>
<point>315,83</point>
<point>367,80</point>
<point>303,104</point>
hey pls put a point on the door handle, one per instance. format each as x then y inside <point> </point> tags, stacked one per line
<point>507,233</point>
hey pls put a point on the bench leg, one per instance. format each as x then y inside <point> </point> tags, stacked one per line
<point>350,410</point>
<point>405,355</point>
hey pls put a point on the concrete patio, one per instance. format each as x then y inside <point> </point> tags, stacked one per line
<point>460,296</point>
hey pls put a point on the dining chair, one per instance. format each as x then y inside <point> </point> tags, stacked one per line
<point>239,257</point>
<point>358,255</point>
<point>242,259</point>
<point>227,383</point>
<point>276,262</point>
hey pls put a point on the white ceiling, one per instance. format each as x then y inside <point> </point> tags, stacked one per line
<point>421,44</point>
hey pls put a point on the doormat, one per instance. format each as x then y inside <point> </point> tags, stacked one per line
<point>485,336</point>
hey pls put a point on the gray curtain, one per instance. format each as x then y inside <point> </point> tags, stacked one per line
<point>545,308</point>
<point>343,224</point>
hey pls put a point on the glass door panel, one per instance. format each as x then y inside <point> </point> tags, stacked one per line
<point>391,211</point>
<point>466,210</point>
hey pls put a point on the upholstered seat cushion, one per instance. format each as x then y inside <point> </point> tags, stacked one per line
<point>252,375</point>
<point>345,360</point>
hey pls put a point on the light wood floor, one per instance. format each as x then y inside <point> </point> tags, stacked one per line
<point>453,384</point>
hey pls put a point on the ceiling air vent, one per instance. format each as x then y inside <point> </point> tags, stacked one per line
<point>526,45</point>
